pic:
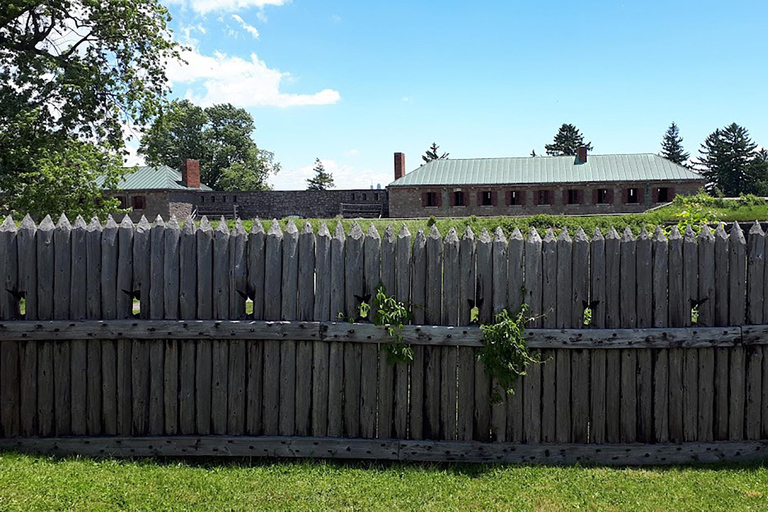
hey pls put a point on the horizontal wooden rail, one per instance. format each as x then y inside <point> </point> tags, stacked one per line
<point>390,449</point>
<point>470,336</point>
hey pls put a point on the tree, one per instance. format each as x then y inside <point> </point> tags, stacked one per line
<point>730,161</point>
<point>73,73</point>
<point>432,154</point>
<point>566,142</point>
<point>218,136</point>
<point>322,180</point>
<point>672,146</point>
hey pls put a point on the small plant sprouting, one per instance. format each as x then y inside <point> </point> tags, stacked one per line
<point>505,354</point>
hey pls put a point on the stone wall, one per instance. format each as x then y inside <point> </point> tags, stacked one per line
<point>407,201</point>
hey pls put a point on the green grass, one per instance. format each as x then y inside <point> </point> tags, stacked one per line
<point>42,483</point>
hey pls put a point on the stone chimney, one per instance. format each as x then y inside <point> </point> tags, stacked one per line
<point>399,165</point>
<point>581,155</point>
<point>190,173</point>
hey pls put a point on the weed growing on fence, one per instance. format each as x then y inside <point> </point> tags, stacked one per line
<point>504,353</point>
<point>391,314</point>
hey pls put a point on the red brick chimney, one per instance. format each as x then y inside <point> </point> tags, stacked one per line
<point>190,173</point>
<point>581,155</point>
<point>399,165</point>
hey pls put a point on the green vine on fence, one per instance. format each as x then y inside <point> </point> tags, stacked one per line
<point>505,354</point>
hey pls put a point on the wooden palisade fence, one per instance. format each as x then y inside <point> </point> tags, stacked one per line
<point>191,374</point>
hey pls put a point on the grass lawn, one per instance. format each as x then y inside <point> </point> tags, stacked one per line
<point>42,483</point>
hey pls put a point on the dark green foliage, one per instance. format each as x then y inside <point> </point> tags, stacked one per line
<point>731,163</point>
<point>433,154</point>
<point>672,146</point>
<point>219,136</point>
<point>566,142</point>
<point>66,93</point>
<point>322,180</point>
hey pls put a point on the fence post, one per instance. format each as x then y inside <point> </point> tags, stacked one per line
<point>737,274</point>
<point>238,271</point>
<point>336,350</point>
<point>256,270</point>
<point>156,266</point>
<point>369,353</point>
<point>28,270</point>
<point>141,265</point>
<point>484,273</point>
<point>533,281</point>
<point>580,278</point>
<point>125,269</point>
<point>449,355</point>
<point>403,294</point>
<point>171,264</point>
<point>355,295</point>
<point>755,271</point>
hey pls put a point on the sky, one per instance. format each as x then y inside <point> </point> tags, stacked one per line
<point>352,82</point>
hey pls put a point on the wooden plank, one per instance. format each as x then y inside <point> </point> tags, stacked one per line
<point>515,271</point>
<point>466,393</point>
<point>273,278</point>
<point>386,390</point>
<point>533,276</point>
<point>143,366</point>
<point>690,274</point>
<point>93,274</point>
<point>304,387</point>
<point>320,381</point>
<point>690,395</point>
<point>434,277</point>
<point>204,246</point>
<point>580,363</point>
<point>432,383</point>
<point>612,284</point>
<point>352,369</point>
<point>563,406</point>
<point>338,271</point>
<point>675,391</point>
<point>335,389</point>
<point>613,396</point>
<point>203,379</point>
<point>188,271</point>
<point>45,269</point>
<point>484,274</point>
<point>9,272</point>
<point>722,381</point>
<point>661,396</point>
<point>452,279</point>
<point>79,381</point>
<point>62,272</point>
<point>354,292</point>
<point>171,387</point>
<point>755,272</point>
<point>45,386</point>
<point>187,387</point>
<point>580,278</point>
<point>388,260</point>
<point>287,414</point>
<point>156,268</point>
<point>736,392</point>
<point>645,396</point>
<point>644,280</point>
<point>11,396</point>
<point>221,271</point>
<point>482,399</point>
<point>706,393</point>
<point>419,277</point>
<point>737,286</point>
<point>271,388</point>
<point>549,281</point>
<point>597,396</point>
<point>322,293</point>
<point>290,271</point>
<point>116,386</point>
<point>369,354</point>
<point>499,271</point>
<point>306,286</point>
<point>677,305</point>
<point>238,271</point>
<point>124,294</point>
<point>515,405</point>
<point>171,266</point>
<point>722,287</point>
<point>706,248</point>
<point>753,400</point>
<point>565,300</point>
<point>219,386</point>
<point>93,415</point>
<point>256,272</point>
<point>78,305</point>
<point>28,425</point>
<point>254,393</point>
<point>763,395</point>
<point>27,248</point>
<point>467,286</point>
<point>628,280</point>
<point>62,386</point>
<point>416,402</point>
<point>548,396</point>
<point>449,356</point>
<point>155,409</point>
<point>597,279</point>
<point>628,418</point>
<point>141,254</point>
<point>532,404</point>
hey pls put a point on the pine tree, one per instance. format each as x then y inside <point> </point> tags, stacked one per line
<point>566,142</point>
<point>672,146</point>
<point>322,179</point>
<point>730,161</point>
<point>432,154</point>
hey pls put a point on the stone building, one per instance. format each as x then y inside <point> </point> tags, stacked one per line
<point>580,185</point>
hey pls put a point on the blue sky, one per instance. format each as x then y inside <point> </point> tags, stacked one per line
<point>353,82</point>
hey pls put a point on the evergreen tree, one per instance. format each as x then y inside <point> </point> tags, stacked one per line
<point>432,154</point>
<point>672,146</point>
<point>731,163</point>
<point>322,179</point>
<point>566,142</point>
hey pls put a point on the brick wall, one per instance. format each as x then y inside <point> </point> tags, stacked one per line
<point>408,201</point>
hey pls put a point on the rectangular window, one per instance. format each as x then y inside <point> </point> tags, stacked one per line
<point>544,197</point>
<point>223,199</point>
<point>663,196</point>
<point>573,196</point>
<point>213,199</point>
<point>431,198</point>
<point>123,202</point>
<point>138,202</point>
<point>234,199</point>
<point>515,197</point>
<point>602,196</point>
<point>458,198</point>
<point>365,196</point>
<point>633,195</point>
<point>486,198</point>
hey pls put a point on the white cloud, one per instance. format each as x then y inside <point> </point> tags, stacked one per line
<point>352,152</point>
<point>222,78</point>
<point>206,6</point>
<point>344,177</point>
<point>248,28</point>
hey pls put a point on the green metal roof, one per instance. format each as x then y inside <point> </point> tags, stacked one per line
<point>546,169</point>
<point>147,177</point>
